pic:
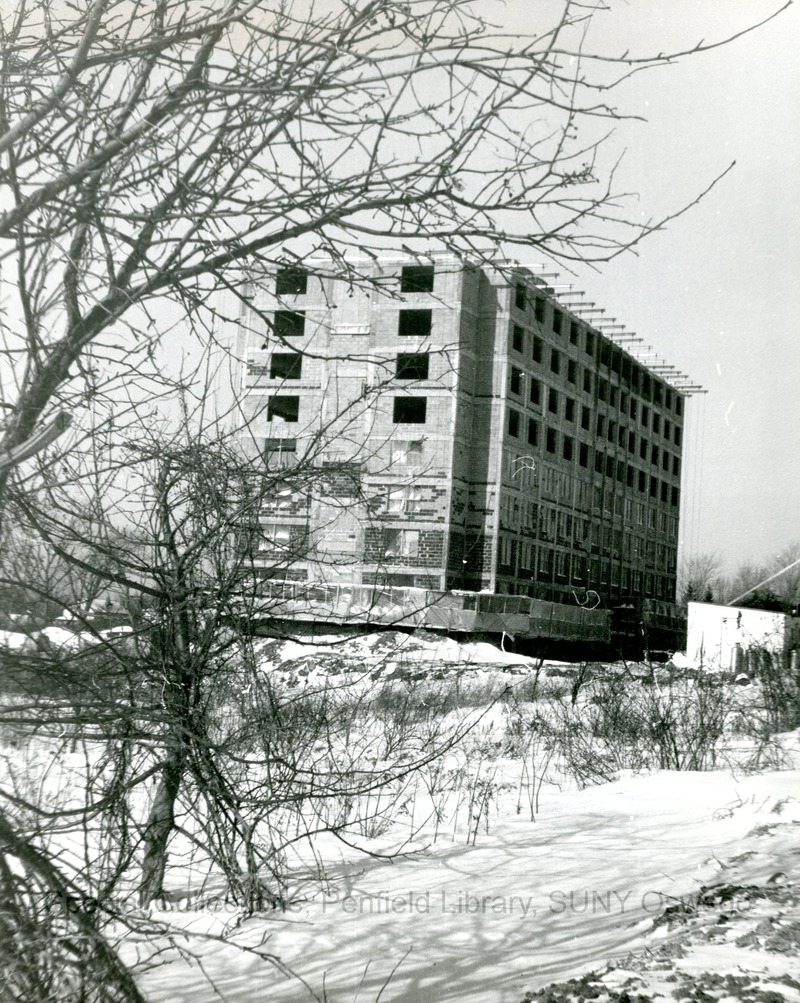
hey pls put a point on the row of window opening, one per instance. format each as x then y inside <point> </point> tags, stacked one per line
<point>517,380</point>
<point>635,376</point>
<point>293,280</point>
<point>417,323</point>
<point>289,366</point>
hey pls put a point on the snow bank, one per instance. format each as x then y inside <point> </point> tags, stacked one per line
<point>388,651</point>
<point>529,904</point>
<point>11,640</point>
<point>66,640</point>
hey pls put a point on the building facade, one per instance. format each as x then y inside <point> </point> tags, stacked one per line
<point>454,426</point>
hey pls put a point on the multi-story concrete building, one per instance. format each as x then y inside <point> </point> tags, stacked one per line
<point>456,427</point>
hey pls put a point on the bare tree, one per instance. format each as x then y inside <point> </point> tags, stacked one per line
<point>155,155</point>
<point>774,583</point>
<point>151,150</point>
<point>187,734</point>
<point>699,578</point>
<point>786,567</point>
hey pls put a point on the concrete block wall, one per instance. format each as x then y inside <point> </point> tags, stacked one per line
<point>579,489</point>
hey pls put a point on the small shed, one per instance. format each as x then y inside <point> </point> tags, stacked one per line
<point>720,637</point>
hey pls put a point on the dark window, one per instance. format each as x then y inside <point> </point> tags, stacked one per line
<point>409,410</point>
<point>583,454</point>
<point>515,381</point>
<point>602,389</point>
<point>517,338</point>
<point>676,466</point>
<point>416,279</point>
<point>645,415</point>
<point>656,423</point>
<point>555,361</point>
<point>572,370</point>
<point>291,281</point>
<point>537,349</point>
<point>646,386</point>
<point>587,381</point>
<point>667,429</point>
<point>557,319</point>
<point>569,409</point>
<point>678,405</point>
<point>567,446</point>
<point>658,393</point>
<point>286,366</point>
<point>612,431</point>
<point>588,343</point>
<point>642,481</point>
<point>675,497</point>
<point>415,323</point>
<point>533,432</point>
<point>631,442</point>
<point>620,471</point>
<point>574,332</point>
<point>629,475</point>
<point>539,309</point>
<point>586,418</point>
<point>401,542</point>
<point>664,491</point>
<point>519,296</point>
<point>599,462</point>
<point>552,440</point>
<point>289,324</point>
<point>654,455</point>
<point>601,426</point>
<point>634,408</point>
<point>643,449</point>
<point>535,391</point>
<point>654,487</point>
<point>668,399</point>
<point>612,396</point>
<point>605,353</point>
<point>677,435</point>
<point>412,366</point>
<point>513,423</point>
<point>610,466</point>
<point>284,407</point>
<point>552,401</point>
<point>623,436</point>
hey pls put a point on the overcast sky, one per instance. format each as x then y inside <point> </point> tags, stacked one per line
<point>718,293</point>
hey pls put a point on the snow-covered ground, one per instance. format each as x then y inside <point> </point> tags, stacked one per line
<point>531,903</point>
<point>633,888</point>
<point>493,912</point>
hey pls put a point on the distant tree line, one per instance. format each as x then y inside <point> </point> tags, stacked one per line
<point>701,579</point>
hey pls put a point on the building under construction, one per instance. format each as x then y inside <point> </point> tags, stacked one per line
<point>467,429</point>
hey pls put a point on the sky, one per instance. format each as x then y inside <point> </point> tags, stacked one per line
<point>717,293</point>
